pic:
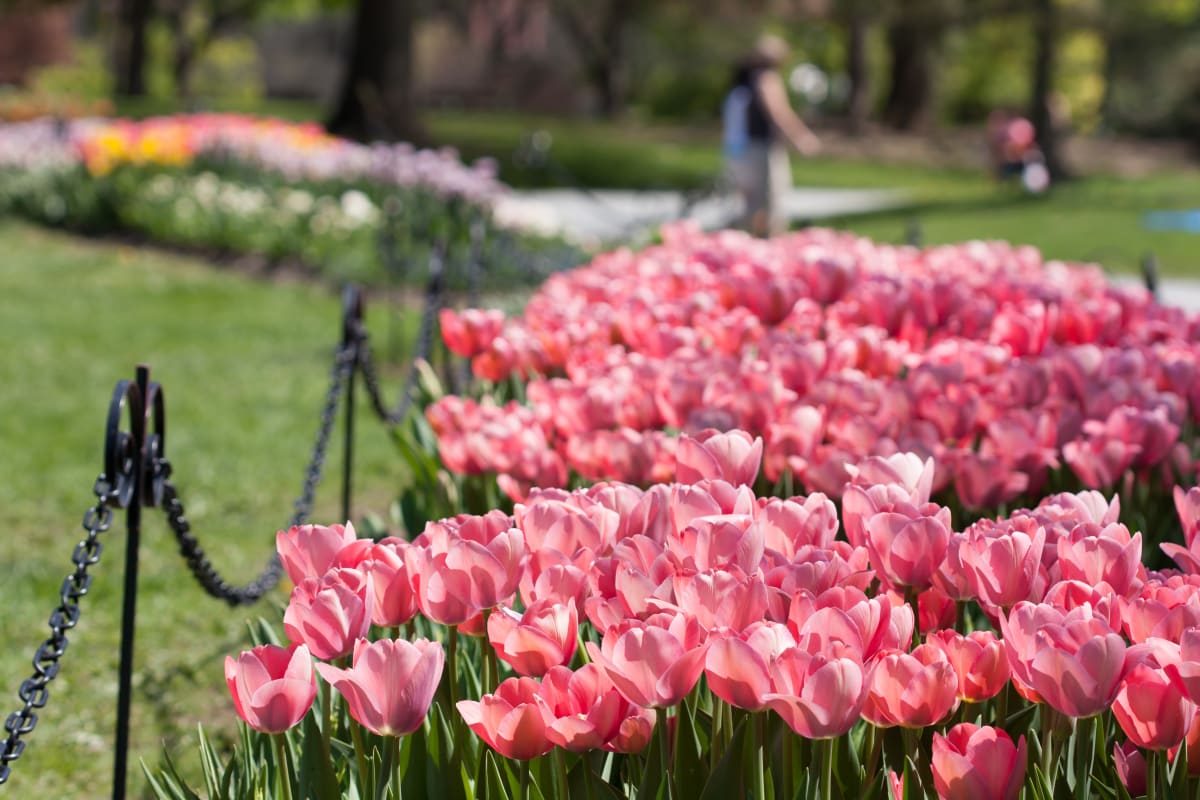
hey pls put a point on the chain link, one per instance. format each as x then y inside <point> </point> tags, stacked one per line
<point>433,302</point>
<point>35,690</point>
<point>202,569</point>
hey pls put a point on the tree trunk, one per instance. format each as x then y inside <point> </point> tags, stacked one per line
<point>129,62</point>
<point>911,42</point>
<point>858,103</point>
<point>376,100</point>
<point>1045,56</point>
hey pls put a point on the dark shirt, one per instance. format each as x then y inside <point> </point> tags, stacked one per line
<point>758,123</point>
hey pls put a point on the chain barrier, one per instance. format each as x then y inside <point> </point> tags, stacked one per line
<point>35,690</point>
<point>435,291</point>
<point>201,568</point>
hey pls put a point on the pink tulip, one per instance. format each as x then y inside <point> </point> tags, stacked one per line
<point>514,721</point>
<point>789,525</point>
<point>471,331</point>
<point>906,547</point>
<point>1131,767</point>
<point>1187,506</point>
<point>308,551</point>
<point>1160,611</point>
<point>390,572</point>
<point>1092,554</point>
<point>466,568</point>
<point>979,660</point>
<point>978,763</point>
<point>1001,564</point>
<point>390,685</point>
<point>1073,660</point>
<point>1185,673</point>
<point>590,714</point>
<point>722,598</point>
<point>653,663</point>
<point>733,456</point>
<point>272,687</point>
<point>738,666</point>
<point>913,690</point>
<point>532,642</point>
<point>330,614</point>
<point>1151,710</point>
<point>819,697</point>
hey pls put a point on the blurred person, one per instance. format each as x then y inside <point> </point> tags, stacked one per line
<point>1013,151</point>
<point>759,124</point>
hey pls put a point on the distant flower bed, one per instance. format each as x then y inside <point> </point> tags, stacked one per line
<point>241,184</point>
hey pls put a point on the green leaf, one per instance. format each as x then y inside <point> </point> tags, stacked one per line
<point>211,766</point>
<point>690,763</point>
<point>490,786</point>
<point>314,774</point>
<point>727,780</point>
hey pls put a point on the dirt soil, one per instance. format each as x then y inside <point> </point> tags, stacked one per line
<point>966,148</point>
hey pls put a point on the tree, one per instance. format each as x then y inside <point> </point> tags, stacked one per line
<point>129,56</point>
<point>195,24</point>
<point>1045,57</point>
<point>599,30</point>
<point>376,99</point>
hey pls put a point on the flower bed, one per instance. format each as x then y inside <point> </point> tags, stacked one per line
<point>664,615</point>
<point>244,185</point>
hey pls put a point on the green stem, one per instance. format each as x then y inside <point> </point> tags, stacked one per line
<point>452,668</point>
<point>717,746</point>
<point>758,773</point>
<point>873,746</point>
<point>560,773</point>
<point>789,757</point>
<point>589,776</point>
<point>327,727</point>
<point>525,780</point>
<point>397,773</point>
<point>360,756</point>
<point>664,745</point>
<point>1152,775</point>
<point>829,748</point>
<point>285,778</point>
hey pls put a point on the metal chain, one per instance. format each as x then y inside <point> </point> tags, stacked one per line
<point>202,569</point>
<point>434,300</point>
<point>34,691</point>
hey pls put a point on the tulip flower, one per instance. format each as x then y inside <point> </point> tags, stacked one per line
<point>308,551</point>
<point>1152,711</point>
<point>653,663</point>
<point>819,697</point>
<point>590,714</point>
<point>913,690</point>
<point>390,685</point>
<point>514,720</point>
<point>1001,565</point>
<point>734,457</point>
<point>272,687</point>
<point>978,763</point>
<point>329,614</point>
<point>906,547</point>
<point>532,642</point>
<point>979,660</point>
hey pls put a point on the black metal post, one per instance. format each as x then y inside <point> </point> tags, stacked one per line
<point>133,525</point>
<point>352,316</point>
<point>1150,274</point>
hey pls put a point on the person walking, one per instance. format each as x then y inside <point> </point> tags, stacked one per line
<point>759,124</point>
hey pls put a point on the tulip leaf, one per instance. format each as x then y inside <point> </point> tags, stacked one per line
<point>584,781</point>
<point>912,781</point>
<point>1178,771</point>
<point>211,766</point>
<point>727,780</point>
<point>490,786</point>
<point>314,773</point>
<point>689,751</point>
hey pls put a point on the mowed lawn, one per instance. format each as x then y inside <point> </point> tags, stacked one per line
<point>244,364</point>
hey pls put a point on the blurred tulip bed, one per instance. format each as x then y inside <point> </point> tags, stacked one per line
<point>240,185</point>
<point>802,517</point>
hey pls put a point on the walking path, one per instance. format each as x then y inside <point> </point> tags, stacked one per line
<point>610,216</point>
<point>606,216</point>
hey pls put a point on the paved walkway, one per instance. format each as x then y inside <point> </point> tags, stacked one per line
<point>607,216</point>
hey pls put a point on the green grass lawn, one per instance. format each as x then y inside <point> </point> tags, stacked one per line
<point>244,365</point>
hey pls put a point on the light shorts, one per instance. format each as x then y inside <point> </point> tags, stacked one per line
<point>762,176</point>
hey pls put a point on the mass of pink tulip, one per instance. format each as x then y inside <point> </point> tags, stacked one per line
<point>1008,370</point>
<point>601,618</point>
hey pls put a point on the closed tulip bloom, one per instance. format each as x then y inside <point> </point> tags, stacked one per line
<point>913,690</point>
<point>653,663</point>
<point>308,551</point>
<point>532,642</point>
<point>731,456</point>
<point>390,569</point>
<point>978,763</point>
<point>1153,712</point>
<point>1092,554</point>
<point>330,614</point>
<point>1185,673</point>
<point>979,661</point>
<point>1131,767</point>
<point>457,577</point>
<point>272,687</point>
<point>818,696</point>
<point>1002,565</point>
<point>391,683</point>
<point>906,548</point>
<point>737,666</point>
<point>514,720</point>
